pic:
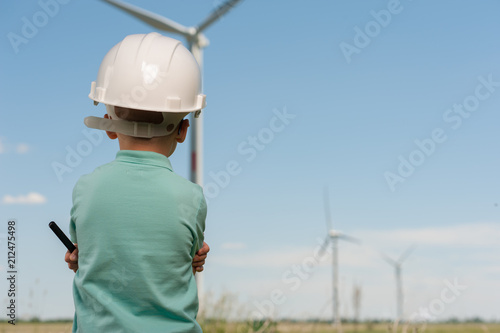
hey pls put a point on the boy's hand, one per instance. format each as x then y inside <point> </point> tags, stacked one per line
<point>72,259</point>
<point>199,258</point>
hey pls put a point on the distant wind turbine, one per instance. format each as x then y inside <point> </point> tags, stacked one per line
<point>332,237</point>
<point>399,283</point>
<point>196,42</point>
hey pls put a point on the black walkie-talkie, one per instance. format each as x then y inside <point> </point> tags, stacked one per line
<point>60,234</point>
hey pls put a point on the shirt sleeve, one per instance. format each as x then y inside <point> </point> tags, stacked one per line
<point>72,225</point>
<point>201,216</point>
<point>72,231</point>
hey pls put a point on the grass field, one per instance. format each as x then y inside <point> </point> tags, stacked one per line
<point>277,328</point>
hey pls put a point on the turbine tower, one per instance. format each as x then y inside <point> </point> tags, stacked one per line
<point>399,283</point>
<point>333,237</point>
<point>196,41</point>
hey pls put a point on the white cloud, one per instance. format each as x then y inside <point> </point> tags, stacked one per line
<point>29,199</point>
<point>19,148</point>
<point>233,246</point>
<point>22,148</point>
<point>367,254</point>
<point>472,234</point>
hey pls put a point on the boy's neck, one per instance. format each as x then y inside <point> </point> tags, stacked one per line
<point>156,145</point>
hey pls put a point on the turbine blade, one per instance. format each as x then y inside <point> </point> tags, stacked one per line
<point>349,238</point>
<point>323,246</point>
<point>216,14</point>
<point>387,259</point>
<point>328,216</point>
<point>155,20</point>
<point>405,254</point>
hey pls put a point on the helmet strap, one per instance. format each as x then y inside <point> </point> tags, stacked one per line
<point>131,128</point>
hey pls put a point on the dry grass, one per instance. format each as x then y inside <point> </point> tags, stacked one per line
<point>36,327</point>
<point>384,328</point>
<point>283,327</point>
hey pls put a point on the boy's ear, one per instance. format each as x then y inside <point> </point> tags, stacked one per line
<point>181,134</point>
<point>111,135</point>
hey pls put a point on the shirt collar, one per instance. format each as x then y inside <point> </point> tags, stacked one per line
<point>144,157</point>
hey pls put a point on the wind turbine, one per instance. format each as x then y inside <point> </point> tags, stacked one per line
<point>399,283</point>
<point>333,237</point>
<point>196,41</point>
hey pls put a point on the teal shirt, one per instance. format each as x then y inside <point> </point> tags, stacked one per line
<point>138,226</point>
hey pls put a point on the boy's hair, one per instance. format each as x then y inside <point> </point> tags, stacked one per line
<point>150,117</point>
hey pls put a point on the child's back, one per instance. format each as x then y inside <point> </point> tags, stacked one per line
<point>136,223</point>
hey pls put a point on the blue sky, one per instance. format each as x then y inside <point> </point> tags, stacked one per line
<point>354,119</point>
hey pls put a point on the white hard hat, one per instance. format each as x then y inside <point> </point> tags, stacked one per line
<point>149,72</point>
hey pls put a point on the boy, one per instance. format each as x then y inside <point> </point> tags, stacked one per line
<point>138,225</point>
